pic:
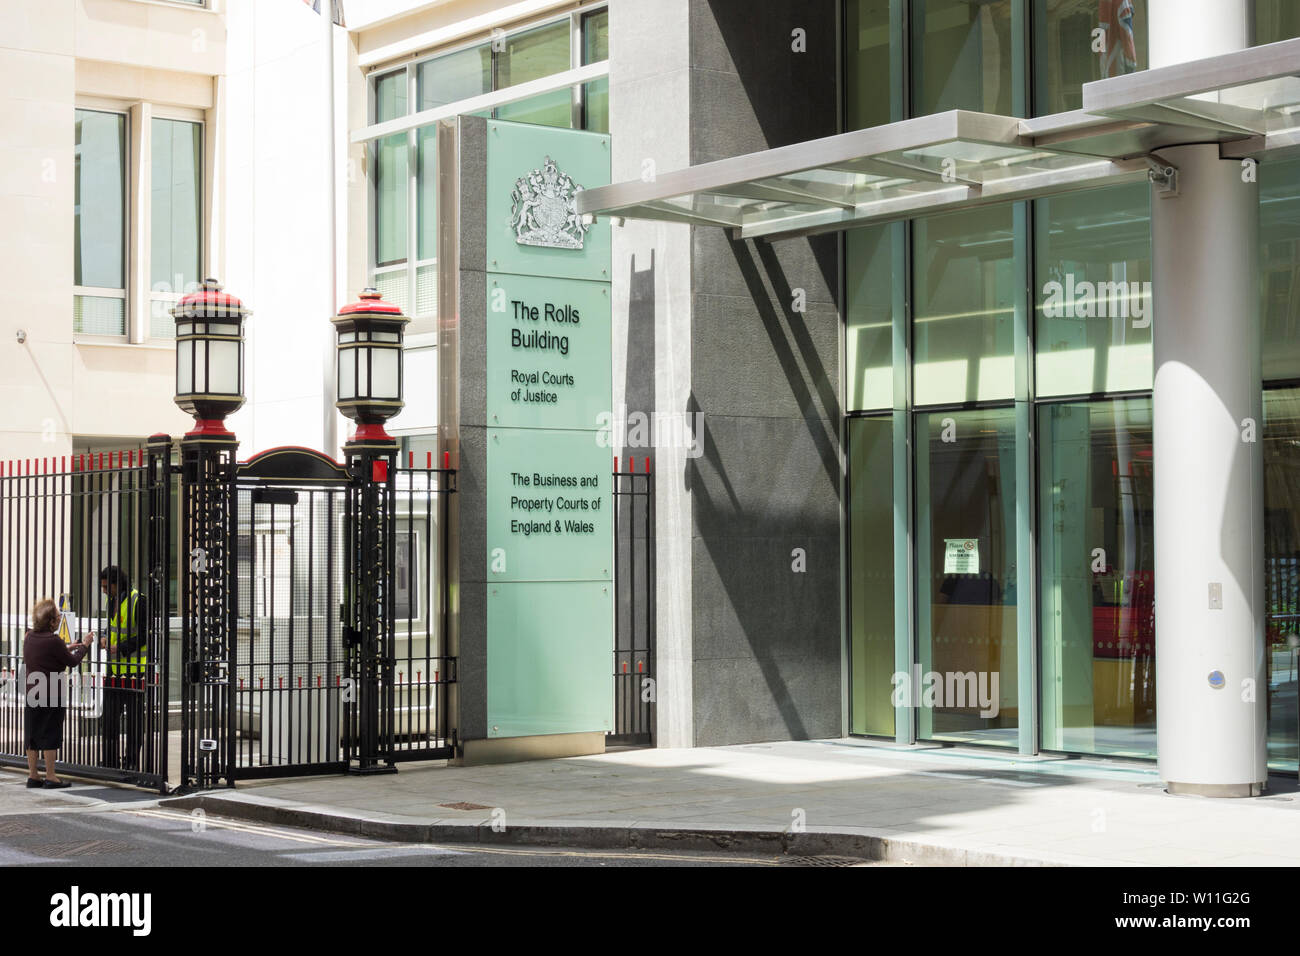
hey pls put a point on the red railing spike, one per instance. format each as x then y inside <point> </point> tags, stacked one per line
<point>625,667</point>
<point>318,680</point>
<point>300,680</point>
<point>101,460</point>
<point>410,459</point>
<point>647,465</point>
<point>446,460</point>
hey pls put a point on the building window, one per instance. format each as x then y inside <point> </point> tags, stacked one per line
<point>868,347</point>
<point>176,213</point>
<point>965,292</point>
<point>966,609</point>
<point>1093,289</point>
<point>531,55</point>
<point>1276,20</point>
<point>100,224</point>
<point>165,156</point>
<point>962,57</point>
<point>1279,261</point>
<point>595,95</point>
<point>1076,43</point>
<point>1096,586</point>
<point>872,75</point>
<point>1281,439</point>
<point>871,575</point>
<point>405,180</point>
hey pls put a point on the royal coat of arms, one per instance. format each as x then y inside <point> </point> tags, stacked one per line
<point>543,212</point>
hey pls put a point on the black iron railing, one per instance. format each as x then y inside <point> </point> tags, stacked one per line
<point>634,608</point>
<point>63,522</point>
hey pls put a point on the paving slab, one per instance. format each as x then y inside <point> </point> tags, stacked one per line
<point>925,806</point>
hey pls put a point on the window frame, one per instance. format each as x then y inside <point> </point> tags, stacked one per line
<point>112,108</point>
<point>175,114</point>
<point>137,292</point>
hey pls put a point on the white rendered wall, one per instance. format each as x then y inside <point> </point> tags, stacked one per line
<point>277,183</point>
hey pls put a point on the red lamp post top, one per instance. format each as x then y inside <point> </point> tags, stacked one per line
<point>209,302</point>
<point>371,303</point>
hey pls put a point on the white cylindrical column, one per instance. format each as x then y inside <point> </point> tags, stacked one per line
<point>1208,494</point>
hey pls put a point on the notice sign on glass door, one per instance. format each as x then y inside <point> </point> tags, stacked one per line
<point>961,556</point>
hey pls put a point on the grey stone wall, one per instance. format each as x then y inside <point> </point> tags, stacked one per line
<point>470,430</point>
<point>765,639</point>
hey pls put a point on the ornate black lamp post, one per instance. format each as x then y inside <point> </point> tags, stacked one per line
<point>370,393</point>
<point>209,386</point>
<point>210,357</point>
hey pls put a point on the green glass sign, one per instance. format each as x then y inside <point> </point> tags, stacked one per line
<point>532,172</point>
<point>549,506</point>
<point>548,359</point>
<point>549,657</point>
<point>550,547</point>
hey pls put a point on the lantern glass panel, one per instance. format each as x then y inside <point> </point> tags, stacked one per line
<point>346,337</point>
<point>385,337</point>
<point>347,374</point>
<point>185,367</point>
<point>363,372</point>
<point>223,368</point>
<point>384,370</point>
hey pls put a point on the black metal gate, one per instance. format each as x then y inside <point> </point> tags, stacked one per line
<point>339,602</point>
<point>289,663</point>
<point>65,524</point>
<point>634,610</point>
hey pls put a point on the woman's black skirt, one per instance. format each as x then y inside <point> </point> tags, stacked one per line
<point>44,727</point>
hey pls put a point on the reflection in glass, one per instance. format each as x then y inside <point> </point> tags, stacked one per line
<point>961,56</point>
<point>868,342</point>
<point>1096,560</point>
<point>1281,449</point>
<point>965,287</point>
<point>531,55</point>
<point>390,172</point>
<point>869,73</point>
<point>1276,20</point>
<point>871,574</point>
<point>1279,262</point>
<point>99,218</point>
<point>176,205</point>
<point>455,76</point>
<point>1093,291</point>
<point>966,574</point>
<point>595,95</point>
<point>1078,41</point>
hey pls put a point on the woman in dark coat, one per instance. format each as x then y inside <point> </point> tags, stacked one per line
<point>45,658</point>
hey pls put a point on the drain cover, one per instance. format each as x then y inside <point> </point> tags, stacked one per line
<point>80,848</point>
<point>464,806</point>
<point>824,861</point>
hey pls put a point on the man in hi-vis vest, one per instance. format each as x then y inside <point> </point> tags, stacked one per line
<point>128,657</point>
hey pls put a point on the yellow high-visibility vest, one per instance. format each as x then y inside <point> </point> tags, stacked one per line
<point>120,629</point>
